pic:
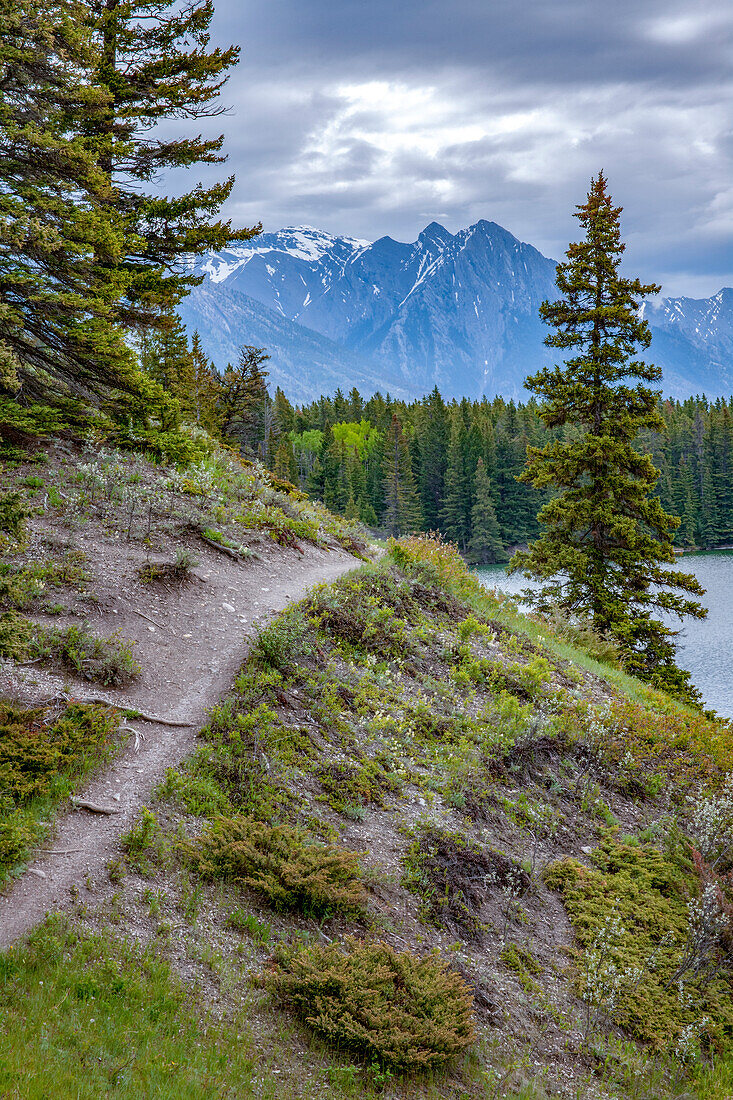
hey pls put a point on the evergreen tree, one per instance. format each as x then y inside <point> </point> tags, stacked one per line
<point>485,544</point>
<point>285,465</point>
<point>356,405</point>
<point>329,470</point>
<point>165,356</point>
<point>456,510</point>
<point>57,312</point>
<point>154,63</point>
<point>244,399</point>
<point>401,501</point>
<point>606,538</point>
<point>204,405</point>
<point>434,434</point>
<point>686,505</point>
<point>284,413</point>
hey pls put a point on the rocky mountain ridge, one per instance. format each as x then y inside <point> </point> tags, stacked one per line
<point>459,311</point>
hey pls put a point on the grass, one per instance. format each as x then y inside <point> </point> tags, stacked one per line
<point>89,1016</point>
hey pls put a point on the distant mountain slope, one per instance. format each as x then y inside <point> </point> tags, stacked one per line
<point>457,310</point>
<point>303,363</point>
<point>693,343</point>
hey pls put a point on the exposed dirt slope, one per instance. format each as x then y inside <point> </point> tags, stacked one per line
<point>189,658</point>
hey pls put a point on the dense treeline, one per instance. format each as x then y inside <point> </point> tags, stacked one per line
<point>465,458</point>
<point>433,465</point>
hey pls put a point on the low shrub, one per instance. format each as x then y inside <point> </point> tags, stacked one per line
<point>14,512</point>
<point>580,633</point>
<point>176,572</point>
<point>633,914</point>
<point>21,586</point>
<point>42,758</point>
<point>17,636</point>
<point>283,641</point>
<point>282,529</point>
<point>349,785</point>
<point>521,962</point>
<point>107,661</point>
<point>407,1014</point>
<point>283,865</point>
<point>369,611</point>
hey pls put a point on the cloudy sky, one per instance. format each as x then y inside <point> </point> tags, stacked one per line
<point>373,117</point>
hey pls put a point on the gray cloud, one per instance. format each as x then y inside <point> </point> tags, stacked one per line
<point>374,116</point>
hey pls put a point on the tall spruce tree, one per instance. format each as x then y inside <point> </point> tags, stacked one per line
<point>57,311</point>
<point>203,403</point>
<point>154,64</point>
<point>607,539</point>
<point>456,510</point>
<point>485,544</point>
<point>434,433</point>
<point>244,401</point>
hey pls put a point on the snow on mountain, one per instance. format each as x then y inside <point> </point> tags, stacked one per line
<point>457,310</point>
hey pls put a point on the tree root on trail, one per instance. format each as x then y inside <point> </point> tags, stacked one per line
<point>130,708</point>
<point>229,550</point>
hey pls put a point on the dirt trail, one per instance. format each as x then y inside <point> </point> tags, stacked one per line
<point>190,644</point>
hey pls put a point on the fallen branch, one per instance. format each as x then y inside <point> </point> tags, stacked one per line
<point>58,851</point>
<point>230,551</point>
<point>144,616</point>
<point>93,807</point>
<point>224,549</point>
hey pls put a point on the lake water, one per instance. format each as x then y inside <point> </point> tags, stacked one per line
<point>704,647</point>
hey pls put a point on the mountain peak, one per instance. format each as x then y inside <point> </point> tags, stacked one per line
<point>435,232</point>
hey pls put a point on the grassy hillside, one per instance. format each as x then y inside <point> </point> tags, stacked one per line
<point>426,847</point>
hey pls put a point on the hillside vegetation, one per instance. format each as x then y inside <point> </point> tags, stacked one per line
<point>82,524</point>
<point>426,847</point>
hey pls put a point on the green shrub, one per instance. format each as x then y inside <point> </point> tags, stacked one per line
<point>21,586</point>
<point>17,636</point>
<point>282,641</point>
<point>649,897</point>
<point>290,870</point>
<point>602,647</point>
<point>522,962</point>
<point>362,785</point>
<point>107,661</point>
<point>42,757</point>
<point>407,1014</point>
<point>13,513</point>
<point>369,611</point>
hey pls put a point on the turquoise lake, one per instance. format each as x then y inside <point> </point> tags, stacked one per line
<point>705,647</point>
